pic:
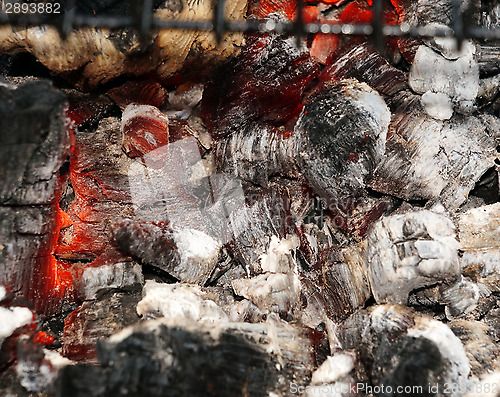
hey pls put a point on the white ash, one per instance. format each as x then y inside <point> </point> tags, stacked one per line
<point>245,311</point>
<point>38,375</point>
<point>479,233</point>
<point>186,100</point>
<point>433,159</point>
<point>410,251</point>
<point>374,105</point>
<point>480,227</point>
<point>116,275</point>
<point>13,318</point>
<point>278,289</point>
<point>331,378</point>
<point>195,248</point>
<point>132,111</point>
<point>487,386</point>
<point>437,105</point>
<point>458,79</point>
<point>178,300</point>
<point>461,298</point>
<point>334,368</point>
<point>37,368</point>
<point>278,258</point>
<point>56,360</point>
<point>272,292</point>
<point>447,46</point>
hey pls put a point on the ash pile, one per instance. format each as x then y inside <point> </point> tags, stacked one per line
<point>258,216</point>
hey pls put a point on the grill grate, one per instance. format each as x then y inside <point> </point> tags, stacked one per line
<point>143,21</point>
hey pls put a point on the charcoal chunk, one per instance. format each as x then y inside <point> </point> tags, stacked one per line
<point>34,144</point>
<point>181,357</point>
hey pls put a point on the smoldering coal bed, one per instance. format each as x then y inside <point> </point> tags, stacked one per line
<point>183,214</point>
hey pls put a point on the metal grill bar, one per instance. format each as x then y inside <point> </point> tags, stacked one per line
<point>144,22</point>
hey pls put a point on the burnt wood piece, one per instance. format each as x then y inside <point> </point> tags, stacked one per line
<point>364,63</point>
<point>340,138</point>
<point>432,159</point>
<point>480,243</point>
<point>265,83</point>
<point>251,227</point>
<point>91,56</point>
<point>256,153</point>
<point>336,286</point>
<point>398,347</point>
<point>34,144</point>
<point>189,255</point>
<point>410,251</point>
<point>99,181</point>
<point>180,357</point>
<point>98,319</point>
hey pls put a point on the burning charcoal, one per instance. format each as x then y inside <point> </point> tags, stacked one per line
<point>96,320</point>
<point>431,159</point>
<point>333,375</point>
<point>86,108</point>
<point>410,251</point>
<point>458,79</point>
<point>109,270</point>
<point>34,144</point>
<point>277,289</point>
<point>257,152</point>
<point>340,138</point>
<point>266,83</point>
<point>178,300</point>
<point>336,286</point>
<point>187,254</point>
<point>99,178</point>
<point>480,240</point>
<point>365,64</point>
<point>139,92</point>
<point>185,358</point>
<point>253,226</point>
<point>481,349</point>
<point>144,129</point>
<point>398,347</point>
<point>99,55</point>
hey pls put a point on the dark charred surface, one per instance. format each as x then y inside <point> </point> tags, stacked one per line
<point>184,359</point>
<point>365,64</point>
<point>96,320</point>
<point>265,83</point>
<point>252,227</point>
<point>338,142</point>
<point>34,144</point>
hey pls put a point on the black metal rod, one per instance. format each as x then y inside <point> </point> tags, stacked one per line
<point>298,28</point>
<point>457,22</point>
<point>69,16</point>
<point>146,18</point>
<point>114,22</point>
<point>220,19</point>
<point>378,24</point>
